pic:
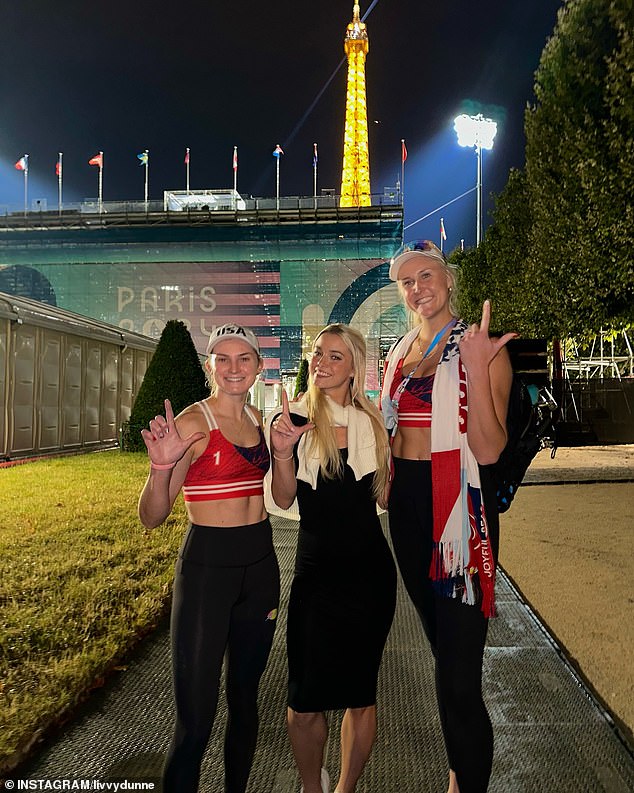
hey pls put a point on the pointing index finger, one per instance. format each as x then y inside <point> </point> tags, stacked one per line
<point>486,316</point>
<point>285,409</point>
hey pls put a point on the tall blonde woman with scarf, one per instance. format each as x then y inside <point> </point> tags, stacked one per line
<point>331,451</point>
<point>444,401</point>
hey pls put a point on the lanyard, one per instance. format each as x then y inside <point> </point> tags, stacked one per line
<point>432,346</point>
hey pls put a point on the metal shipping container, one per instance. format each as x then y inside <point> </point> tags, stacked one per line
<point>67,382</point>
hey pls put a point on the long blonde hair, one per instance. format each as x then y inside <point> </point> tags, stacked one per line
<point>323,438</point>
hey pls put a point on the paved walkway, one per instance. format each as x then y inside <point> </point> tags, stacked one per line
<point>551,736</point>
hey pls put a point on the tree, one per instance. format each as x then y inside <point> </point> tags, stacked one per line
<point>474,281</point>
<point>499,269</point>
<point>301,381</point>
<point>174,373</point>
<point>514,302</point>
<point>579,165</point>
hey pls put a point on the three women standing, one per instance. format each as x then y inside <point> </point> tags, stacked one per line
<point>444,399</point>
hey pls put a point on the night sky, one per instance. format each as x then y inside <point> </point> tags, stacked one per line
<point>122,77</point>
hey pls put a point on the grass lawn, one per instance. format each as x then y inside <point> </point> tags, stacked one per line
<point>81,582</point>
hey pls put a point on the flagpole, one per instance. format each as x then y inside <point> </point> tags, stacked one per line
<point>187,169</point>
<point>147,176</point>
<point>442,236</point>
<point>403,158</point>
<point>26,186</point>
<point>59,182</point>
<point>235,175</point>
<point>315,173</point>
<point>277,153</point>
<point>100,202</point>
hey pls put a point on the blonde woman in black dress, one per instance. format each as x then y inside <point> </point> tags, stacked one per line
<point>331,451</point>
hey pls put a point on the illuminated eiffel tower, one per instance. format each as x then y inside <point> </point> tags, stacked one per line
<point>355,176</point>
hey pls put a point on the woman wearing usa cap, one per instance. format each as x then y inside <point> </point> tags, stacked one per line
<point>226,587</point>
<point>444,401</point>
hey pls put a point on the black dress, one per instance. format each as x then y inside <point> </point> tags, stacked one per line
<point>342,598</point>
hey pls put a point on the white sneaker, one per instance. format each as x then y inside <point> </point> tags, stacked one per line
<point>325,782</point>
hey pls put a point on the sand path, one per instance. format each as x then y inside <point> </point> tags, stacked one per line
<point>569,548</point>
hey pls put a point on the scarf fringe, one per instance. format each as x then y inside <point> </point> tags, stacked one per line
<point>452,581</point>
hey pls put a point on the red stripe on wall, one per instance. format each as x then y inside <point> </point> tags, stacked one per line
<point>246,299</point>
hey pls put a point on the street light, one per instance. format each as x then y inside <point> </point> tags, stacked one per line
<point>479,132</point>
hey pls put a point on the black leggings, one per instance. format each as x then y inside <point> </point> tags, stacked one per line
<point>456,631</point>
<point>226,594</point>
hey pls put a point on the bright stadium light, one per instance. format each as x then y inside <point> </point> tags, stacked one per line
<point>479,132</point>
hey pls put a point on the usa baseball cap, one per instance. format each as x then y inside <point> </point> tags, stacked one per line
<point>227,332</point>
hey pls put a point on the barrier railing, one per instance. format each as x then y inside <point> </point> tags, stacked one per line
<point>90,213</point>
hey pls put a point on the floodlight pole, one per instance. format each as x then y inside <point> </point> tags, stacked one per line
<point>478,149</point>
<point>478,132</point>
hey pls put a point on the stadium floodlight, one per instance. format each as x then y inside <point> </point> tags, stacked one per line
<point>479,132</point>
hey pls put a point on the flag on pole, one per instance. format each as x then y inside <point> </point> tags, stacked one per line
<point>235,175</point>
<point>278,151</point>
<point>23,165</point>
<point>315,160</point>
<point>144,160</point>
<point>186,156</point>
<point>98,161</point>
<point>401,187</point>
<point>443,235</point>
<point>58,173</point>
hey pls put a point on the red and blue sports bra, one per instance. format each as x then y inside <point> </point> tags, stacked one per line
<point>224,470</point>
<point>414,405</point>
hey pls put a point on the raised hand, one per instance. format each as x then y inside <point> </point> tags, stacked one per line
<point>164,444</point>
<point>477,348</point>
<point>284,434</point>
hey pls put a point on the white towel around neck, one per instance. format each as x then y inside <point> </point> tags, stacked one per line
<point>361,441</point>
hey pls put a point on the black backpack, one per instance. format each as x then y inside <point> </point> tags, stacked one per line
<point>530,425</point>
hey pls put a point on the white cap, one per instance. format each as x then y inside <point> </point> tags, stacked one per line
<point>414,250</point>
<point>226,332</point>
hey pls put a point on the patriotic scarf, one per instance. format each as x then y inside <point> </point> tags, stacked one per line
<point>462,560</point>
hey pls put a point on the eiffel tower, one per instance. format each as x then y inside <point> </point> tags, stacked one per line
<point>355,175</point>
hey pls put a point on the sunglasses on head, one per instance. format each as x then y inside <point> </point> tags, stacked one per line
<point>421,245</point>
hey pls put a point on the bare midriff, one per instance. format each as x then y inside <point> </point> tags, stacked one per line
<point>412,443</point>
<point>227,512</point>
